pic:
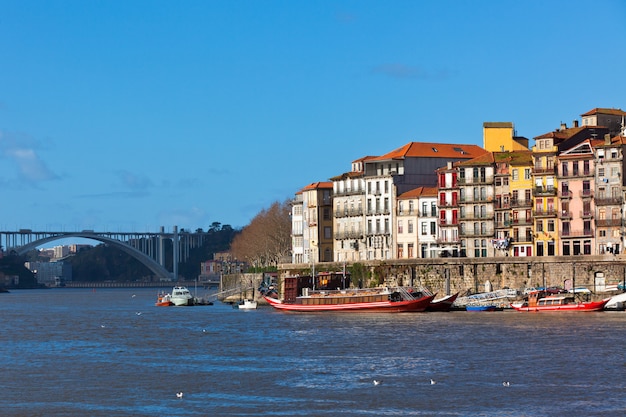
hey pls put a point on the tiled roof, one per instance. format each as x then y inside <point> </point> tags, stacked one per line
<point>419,192</point>
<point>485,159</point>
<point>600,110</point>
<point>318,185</point>
<point>615,140</point>
<point>562,134</point>
<point>432,150</point>
<point>516,158</point>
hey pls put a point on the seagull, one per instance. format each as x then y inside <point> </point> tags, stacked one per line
<point>433,382</point>
<point>506,383</point>
<point>179,394</point>
<point>377,382</point>
<point>134,295</point>
<point>203,330</point>
<point>103,326</point>
<point>138,313</point>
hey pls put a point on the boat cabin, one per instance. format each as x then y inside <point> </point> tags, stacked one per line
<point>556,300</point>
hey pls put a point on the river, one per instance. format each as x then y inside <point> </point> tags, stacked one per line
<point>111,352</point>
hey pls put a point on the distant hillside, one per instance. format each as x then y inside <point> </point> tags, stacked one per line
<point>14,266</point>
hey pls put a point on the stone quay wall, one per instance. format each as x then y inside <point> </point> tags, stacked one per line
<point>476,275</point>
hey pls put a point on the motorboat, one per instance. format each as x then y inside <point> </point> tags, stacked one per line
<point>246,304</point>
<point>539,301</point>
<point>164,299</point>
<point>181,296</point>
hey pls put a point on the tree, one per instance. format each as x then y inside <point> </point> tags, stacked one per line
<point>267,239</point>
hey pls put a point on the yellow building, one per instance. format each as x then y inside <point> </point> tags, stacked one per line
<point>500,137</point>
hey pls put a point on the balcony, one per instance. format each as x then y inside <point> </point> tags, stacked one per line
<point>577,174</point>
<point>586,214</point>
<point>565,194</point>
<point>585,194</point>
<point>544,170</point>
<point>602,200</point>
<point>544,191</point>
<point>521,221</point>
<point>444,222</point>
<point>576,233</point>
<point>351,234</point>
<point>521,203</point>
<point>501,205</point>
<point>478,217</point>
<point>564,214</point>
<point>544,213</point>
<point>477,199</point>
<point>523,239</point>
<point>609,222</point>
<point>503,225</point>
<point>475,180</point>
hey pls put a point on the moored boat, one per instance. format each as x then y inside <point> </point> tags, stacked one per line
<point>538,301</point>
<point>481,308</point>
<point>366,300</point>
<point>443,303</point>
<point>181,296</point>
<point>163,300</point>
<point>246,304</point>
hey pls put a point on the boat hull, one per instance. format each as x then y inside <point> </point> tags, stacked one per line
<point>590,306</point>
<point>416,305</point>
<point>481,308</point>
<point>442,304</point>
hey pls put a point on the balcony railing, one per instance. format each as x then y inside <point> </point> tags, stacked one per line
<point>608,201</point>
<point>576,233</point>
<point>565,194</point>
<point>544,191</point>
<point>503,225</point>
<point>585,193</point>
<point>544,213</point>
<point>475,180</point>
<point>544,170</point>
<point>521,203</point>
<point>522,239</point>
<point>564,214</point>
<point>608,222</point>
<point>520,221</point>
<point>500,205</point>
<point>472,216</point>
<point>357,234</point>
<point>348,213</point>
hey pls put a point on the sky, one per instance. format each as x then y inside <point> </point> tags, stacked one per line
<point>132,115</point>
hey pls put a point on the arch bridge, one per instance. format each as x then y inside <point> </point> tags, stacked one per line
<point>148,248</point>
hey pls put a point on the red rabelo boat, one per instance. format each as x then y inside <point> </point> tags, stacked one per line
<point>362,300</point>
<point>539,301</point>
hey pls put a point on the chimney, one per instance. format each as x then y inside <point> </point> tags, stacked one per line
<point>449,164</point>
<point>607,139</point>
<point>575,123</point>
<point>563,126</point>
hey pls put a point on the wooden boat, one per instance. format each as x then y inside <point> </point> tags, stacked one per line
<point>538,301</point>
<point>367,300</point>
<point>443,303</point>
<point>481,308</point>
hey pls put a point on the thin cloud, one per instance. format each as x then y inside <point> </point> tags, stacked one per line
<point>22,150</point>
<point>133,181</point>
<point>410,72</point>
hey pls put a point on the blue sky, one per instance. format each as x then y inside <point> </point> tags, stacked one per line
<point>130,115</point>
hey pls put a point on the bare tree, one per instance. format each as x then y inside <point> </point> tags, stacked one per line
<point>267,239</point>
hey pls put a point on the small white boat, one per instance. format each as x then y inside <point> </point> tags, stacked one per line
<point>246,305</point>
<point>617,302</point>
<point>181,296</point>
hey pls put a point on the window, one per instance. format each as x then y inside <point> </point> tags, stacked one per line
<point>601,172</point>
<point>526,173</point>
<point>410,206</point>
<point>400,207</point>
<point>424,209</point>
<point>410,247</point>
<point>433,228</point>
<point>400,251</point>
<point>539,226</point>
<point>424,228</point>
<point>327,232</point>
<point>399,227</point>
<point>515,174</point>
<point>550,225</point>
<point>326,213</point>
<point>410,226</point>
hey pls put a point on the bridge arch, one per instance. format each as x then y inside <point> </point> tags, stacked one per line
<point>156,268</point>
